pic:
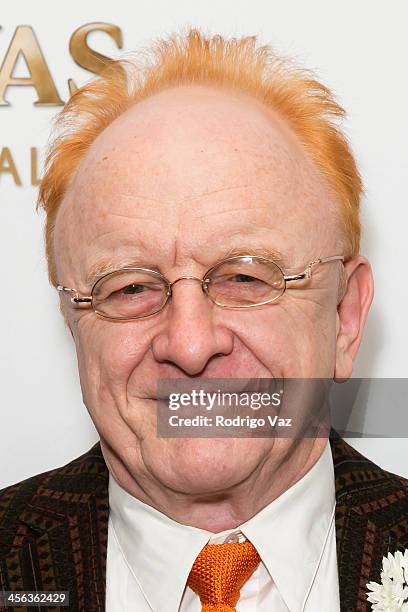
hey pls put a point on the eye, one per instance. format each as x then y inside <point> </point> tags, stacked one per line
<point>243,278</point>
<point>238,278</point>
<point>132,289</point>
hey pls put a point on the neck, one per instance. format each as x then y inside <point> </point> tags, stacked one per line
<point>227,508</point>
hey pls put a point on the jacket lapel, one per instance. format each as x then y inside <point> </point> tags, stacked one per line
<point>371,521</point>
<point>61,541</point>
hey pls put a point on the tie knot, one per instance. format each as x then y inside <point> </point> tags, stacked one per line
<point>220,571</point>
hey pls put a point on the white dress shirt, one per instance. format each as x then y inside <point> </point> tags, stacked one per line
<point>150,555</point>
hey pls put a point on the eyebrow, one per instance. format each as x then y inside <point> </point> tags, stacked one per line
<point>103,267</point>
<point>266,252</point>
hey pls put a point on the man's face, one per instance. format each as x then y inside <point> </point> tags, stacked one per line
<point>177,183</point>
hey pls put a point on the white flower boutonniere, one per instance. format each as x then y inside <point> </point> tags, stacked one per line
<point>392,594</point>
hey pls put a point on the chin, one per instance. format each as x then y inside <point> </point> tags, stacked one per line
<point>205,466</point>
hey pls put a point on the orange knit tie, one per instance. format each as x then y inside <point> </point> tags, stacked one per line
<point>220,571</point>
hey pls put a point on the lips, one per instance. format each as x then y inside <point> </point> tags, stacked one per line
<point>167,386</point>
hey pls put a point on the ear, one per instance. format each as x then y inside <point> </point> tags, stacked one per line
<point>352,313</point>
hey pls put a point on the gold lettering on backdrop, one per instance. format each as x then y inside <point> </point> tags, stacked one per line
<point>86,57</point>
<point>25,43</point>
<point>24,46</point>
<point>7,165</point>
<point>35,181</point>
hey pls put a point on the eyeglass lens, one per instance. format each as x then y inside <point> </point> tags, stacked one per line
<point>241,282</point>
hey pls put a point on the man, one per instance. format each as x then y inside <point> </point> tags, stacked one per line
<point>182,198</point>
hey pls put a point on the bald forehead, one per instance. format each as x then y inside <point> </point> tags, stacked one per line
<point>188,140</point>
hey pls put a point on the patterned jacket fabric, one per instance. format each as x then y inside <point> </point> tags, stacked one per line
<point>54,529</point>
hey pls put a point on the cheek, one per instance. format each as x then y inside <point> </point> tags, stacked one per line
<point>291,341</point>
<point>107,354</point>
<point>311,342</point>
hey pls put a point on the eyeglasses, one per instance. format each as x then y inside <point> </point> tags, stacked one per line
<point>244,281</point>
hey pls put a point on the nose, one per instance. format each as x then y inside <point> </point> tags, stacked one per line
<point>193,331</point>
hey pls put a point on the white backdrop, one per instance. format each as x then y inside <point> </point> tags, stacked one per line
<point>359,49</point>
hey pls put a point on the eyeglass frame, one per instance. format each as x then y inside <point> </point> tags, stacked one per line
<point>81,300</point>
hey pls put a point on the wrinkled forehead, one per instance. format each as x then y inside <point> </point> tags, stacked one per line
<point>193,155</point>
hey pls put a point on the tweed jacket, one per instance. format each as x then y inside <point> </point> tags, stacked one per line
<point>54,529</point>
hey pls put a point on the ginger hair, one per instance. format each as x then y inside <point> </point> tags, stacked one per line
<point>240,64</point>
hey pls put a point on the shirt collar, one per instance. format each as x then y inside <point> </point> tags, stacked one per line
<point>154,545</point>
<point>289,534</point>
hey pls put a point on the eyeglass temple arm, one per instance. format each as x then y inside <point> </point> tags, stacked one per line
<point>308,272</point>
<point>75,299</point>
